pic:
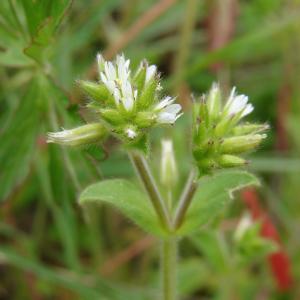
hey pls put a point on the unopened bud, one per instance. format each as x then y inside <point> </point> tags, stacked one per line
<point>83,135</point>
<point>250,129</point>
<point>240,144</point>
<point>231,161</point>
<point>169,174</point>
<point>94,90</point>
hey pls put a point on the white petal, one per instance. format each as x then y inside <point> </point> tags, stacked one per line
<point>110,71</point>
<point>231,98</point>
<point>150,72</point>
<point>173,108</point>
<point>110,85</point>
<point>249,108</point>
<point>128,103</point>
<point>213,93</point>
<point>127,89</point>
<point>166,118</point>
<point>117,96</point>
<point>103,78</point>
<point>123,72</point>
<point>165,102</point>
<point>238,104</point>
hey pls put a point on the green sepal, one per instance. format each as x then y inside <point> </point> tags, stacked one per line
<point>112,116</point>
<point>94,90</point>
<point>141,143</point>
<point>144,119</point>
<point>249,129</point>
<point>147,96</point>
<point>240,144</point>
<point>231,161</point>
<point>139,78</point>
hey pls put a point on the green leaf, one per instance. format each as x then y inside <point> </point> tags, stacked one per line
<point>38,11</point>
<point>39,45</point>
<point>43,18</point>
<point>126,197</point>
<point>17,152</point>
<point>213,194</point>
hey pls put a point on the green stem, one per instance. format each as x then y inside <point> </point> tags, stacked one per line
<point>147,179</point>
<point>185,200</point>
<point>169,268</point>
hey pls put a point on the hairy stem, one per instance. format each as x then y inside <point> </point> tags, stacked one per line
<point>168,267</point>
<point>185,200</point>
<point>144,173</point>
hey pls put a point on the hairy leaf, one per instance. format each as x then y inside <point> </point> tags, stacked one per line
<point>126,197</point>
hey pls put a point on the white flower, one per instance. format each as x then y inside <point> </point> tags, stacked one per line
<point>116,78</point>
<point>118,81</point>
<point>238,103</point>
<point>167,113</point>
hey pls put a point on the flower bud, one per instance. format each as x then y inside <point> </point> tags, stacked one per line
<point>168,173</point>
<point>217,133</point>
<point>83,135</point>
<point>94,90</point>
<point>240,144</point>
<point>231,161</point>
<point>250,129</point>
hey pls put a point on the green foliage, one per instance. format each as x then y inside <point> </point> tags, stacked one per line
<point>128,199</point>
<point>21,137</point>
<point>251,245</point>
<point>48,249</point>
<point>212,195</point>
<point>34,39</point>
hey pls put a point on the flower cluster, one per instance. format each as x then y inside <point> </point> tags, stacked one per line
<point>218,136</point>
<point>126,104</point>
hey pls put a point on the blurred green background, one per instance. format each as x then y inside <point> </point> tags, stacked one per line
<point>49,247</point>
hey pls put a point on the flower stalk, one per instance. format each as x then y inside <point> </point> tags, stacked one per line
<point>169,268</point>
<point>143,171</point>
<point>185,200</point>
